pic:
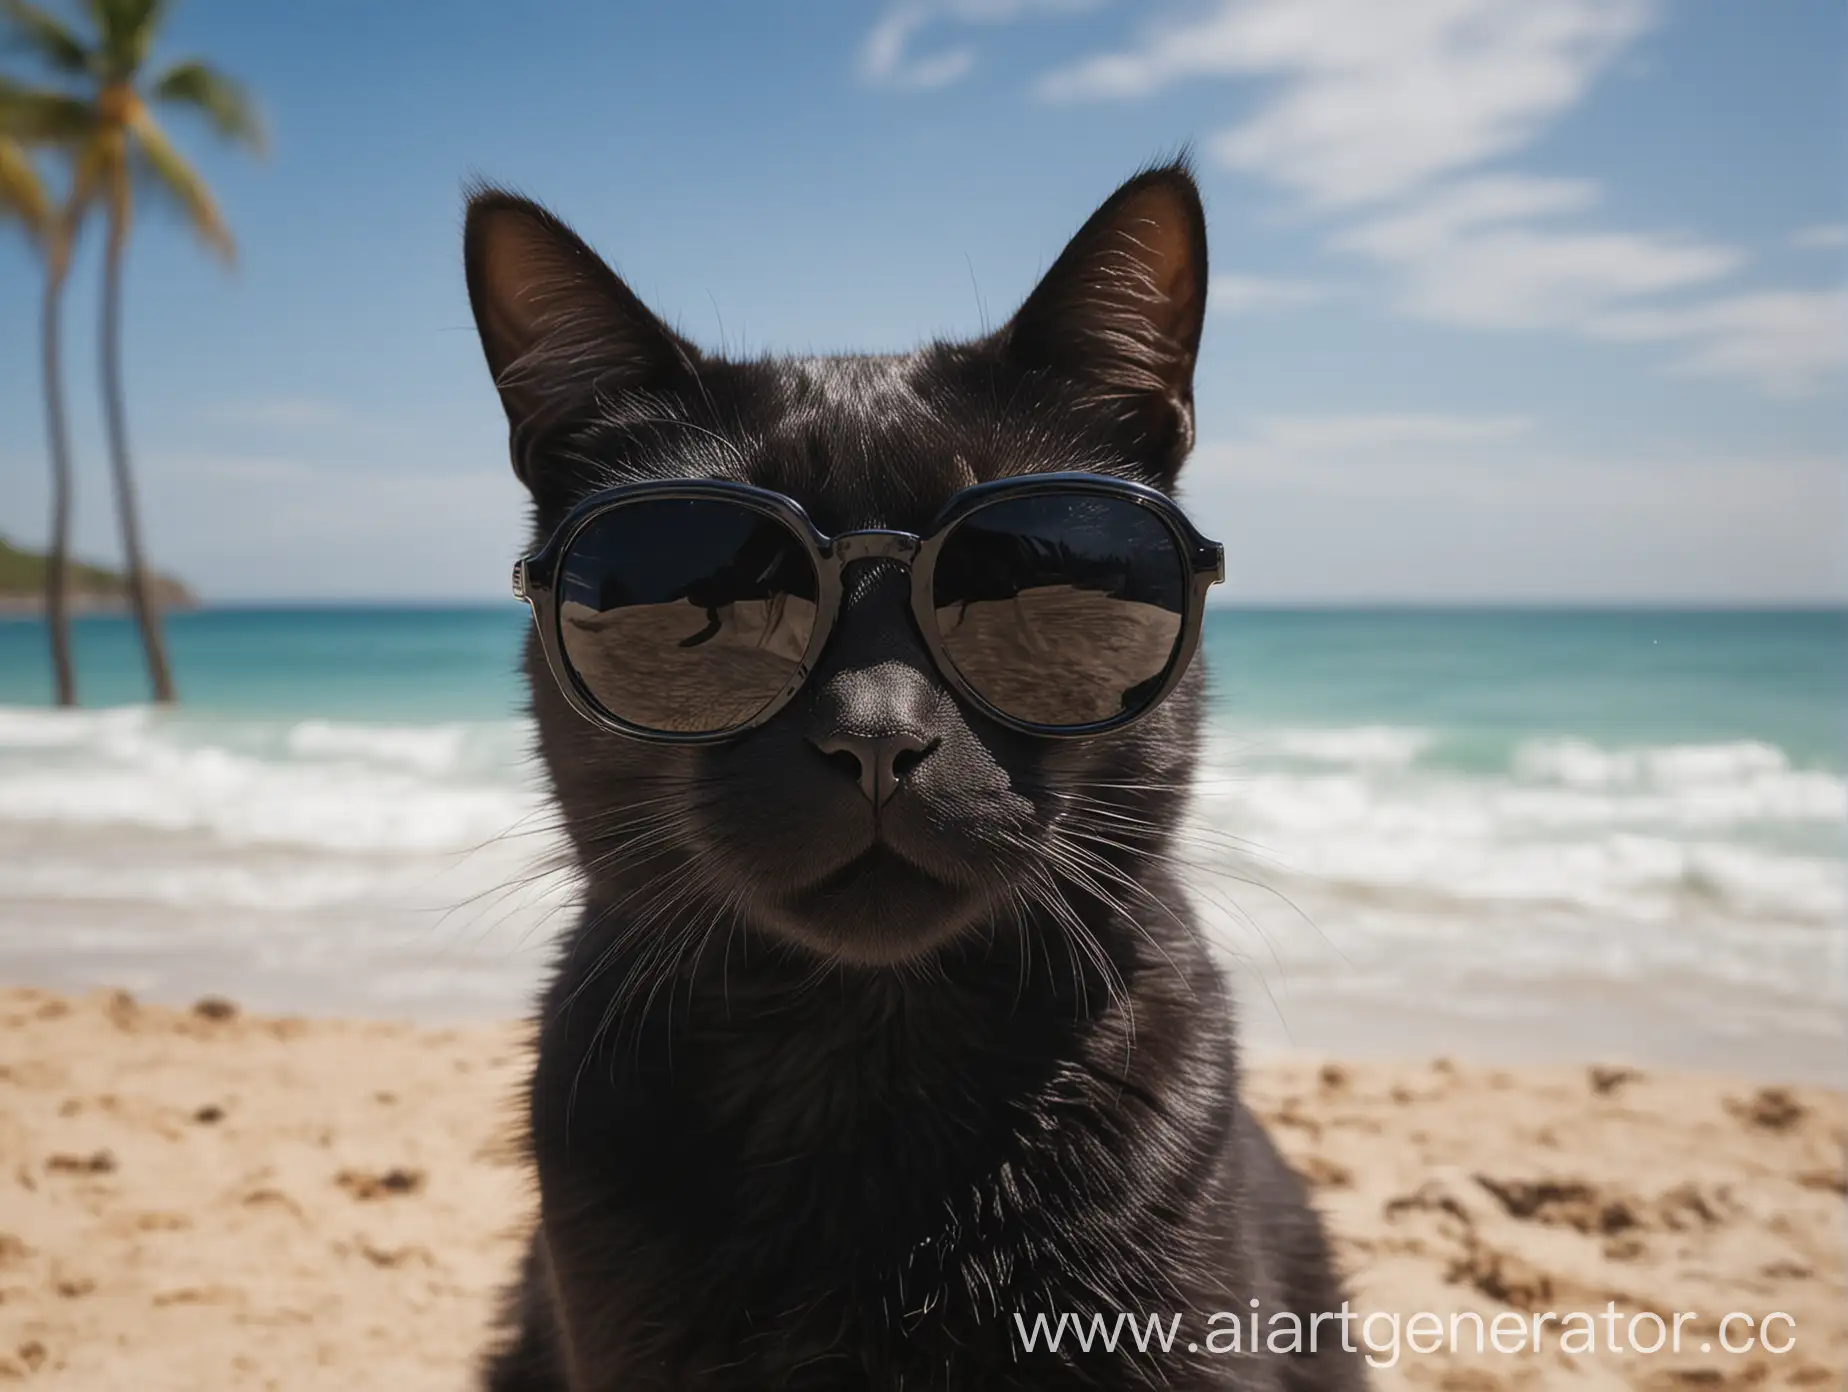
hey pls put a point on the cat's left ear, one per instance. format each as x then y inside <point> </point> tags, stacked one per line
<point>1120,312</point>
<point>557,325</point>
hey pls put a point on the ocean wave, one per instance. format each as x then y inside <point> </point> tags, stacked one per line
<point>1737,781</point>
<point>1642,834</point>
<point>27,729</point>
<point>499,879</point>
<point>1578,763</point>
<point>1441,866</point>
<point>1364,746</point>
<point>315,783</point>
<point>249,888</point>
<point>1369,812</point>
<point>427,749</point>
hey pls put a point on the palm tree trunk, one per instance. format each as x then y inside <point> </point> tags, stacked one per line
<point>57,562</point>
<point>140,594</point>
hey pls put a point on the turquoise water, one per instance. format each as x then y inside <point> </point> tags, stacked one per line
<point>1617,832</point>
<point>362,663</point>
<point>1484,678</point>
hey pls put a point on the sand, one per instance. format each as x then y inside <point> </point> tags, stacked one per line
<point>207,1199</point>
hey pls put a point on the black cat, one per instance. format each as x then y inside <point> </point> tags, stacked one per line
<point>887,1026</point>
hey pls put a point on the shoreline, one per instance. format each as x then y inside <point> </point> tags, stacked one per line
<point>210,1197</point>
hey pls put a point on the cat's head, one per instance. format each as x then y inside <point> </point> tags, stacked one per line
<point>787,827</point>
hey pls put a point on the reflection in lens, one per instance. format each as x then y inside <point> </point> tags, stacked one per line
<point>686,615</point>
<point>1061,609</point>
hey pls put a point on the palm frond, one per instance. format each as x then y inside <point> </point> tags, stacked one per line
<point>40,32</point>
<point>128,29</point>
<point>168,170</point>
<point>22,192</point>
<point>221,99</point>
<point>37,116</point>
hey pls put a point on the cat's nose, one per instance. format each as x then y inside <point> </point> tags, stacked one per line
<point>878,763</point>
<point>876,708</point>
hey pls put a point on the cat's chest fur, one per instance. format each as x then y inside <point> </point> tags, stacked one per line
<point>842,1187</point>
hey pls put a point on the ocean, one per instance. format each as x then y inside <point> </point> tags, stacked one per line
<point>1519,834</point>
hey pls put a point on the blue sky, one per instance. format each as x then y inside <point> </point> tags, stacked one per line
<point>1518,300</point>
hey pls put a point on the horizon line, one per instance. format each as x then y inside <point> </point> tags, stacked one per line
<point>1350,604</point>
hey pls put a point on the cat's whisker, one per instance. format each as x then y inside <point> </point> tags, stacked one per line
<point>1200,879</point>
<point>631,928</point>
<point>1080,936</point>
<point>1188,830</point>
<point>636,929</point>
<point>1205,879</point>
<point>1083,865</point>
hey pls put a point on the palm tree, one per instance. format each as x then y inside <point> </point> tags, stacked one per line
<point>109,125</point>
<point>23,197</point>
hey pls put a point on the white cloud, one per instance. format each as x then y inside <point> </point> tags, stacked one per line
<point>1241,294</point>
<point>1486,253</point>
<point>1471,254</point>
<point>1388,115</point>
<point>885,62</point>
<point>1785,342</point>
<point>1459,208</point>
<point>1375,100</point>
<point>889,56</point>
<point>1823,236</point>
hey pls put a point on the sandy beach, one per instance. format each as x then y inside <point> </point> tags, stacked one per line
<point>208,1198</point>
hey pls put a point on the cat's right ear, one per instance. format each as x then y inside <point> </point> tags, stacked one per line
<point>557,325</point>
<point>1120,313</point>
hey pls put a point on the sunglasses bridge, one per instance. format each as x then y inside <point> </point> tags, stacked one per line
<point>874,544</point>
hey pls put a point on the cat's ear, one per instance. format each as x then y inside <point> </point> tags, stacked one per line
<point>557,325</point>
<point>1119,314</point>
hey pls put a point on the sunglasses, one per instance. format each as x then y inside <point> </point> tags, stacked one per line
<point>692,611</point>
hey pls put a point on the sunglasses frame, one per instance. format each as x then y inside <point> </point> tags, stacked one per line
<point>535,580</point>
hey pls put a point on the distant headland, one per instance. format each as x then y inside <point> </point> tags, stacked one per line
<point>93,589</point>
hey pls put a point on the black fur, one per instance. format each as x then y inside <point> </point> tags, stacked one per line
<point>824,1098</point>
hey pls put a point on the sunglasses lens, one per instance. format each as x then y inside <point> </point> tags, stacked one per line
<point>686,615</point>
<point>1062,609</point>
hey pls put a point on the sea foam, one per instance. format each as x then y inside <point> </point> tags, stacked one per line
<point>1367,857</point>
<point>1643,834</point>
<point>313,783</point>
